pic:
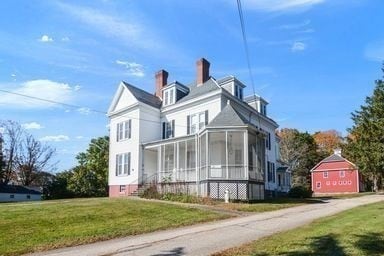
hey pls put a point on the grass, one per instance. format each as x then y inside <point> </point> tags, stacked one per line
<point>39,226</point>
<point>256,206</point>
<point>267,205</point>
<point>359,231</point>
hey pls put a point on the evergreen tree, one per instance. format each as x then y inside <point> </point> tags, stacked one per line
<point>366,140</point>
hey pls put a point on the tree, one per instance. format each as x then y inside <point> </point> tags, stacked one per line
<point>298,151</point>
<point>22,156</point>
<point>90,177</point>
<point>11,137</point>
<point>33,158</point>
<point>365,144</point>
<point>327,141</point>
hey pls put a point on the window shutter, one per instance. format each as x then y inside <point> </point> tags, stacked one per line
<point>164,129</point>
<point>129,128</point>
<point>117,132</point>
<point>206,117</point>
<point>173,128</point>
<point>129,163</point>
<point>188,124</point>
<point>117,165</point>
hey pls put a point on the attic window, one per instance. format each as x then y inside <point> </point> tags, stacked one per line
<point>239,92</point>
<point>169,96</point>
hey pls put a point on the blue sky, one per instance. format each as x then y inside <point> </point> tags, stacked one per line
<point>314,60</point>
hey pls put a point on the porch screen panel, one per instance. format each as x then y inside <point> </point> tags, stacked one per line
<point>190,174</point>
<point>203,156</point>
<point>168,160</point>
<point>182,156</point>
<point>217,154</point>
<point>235,147</point>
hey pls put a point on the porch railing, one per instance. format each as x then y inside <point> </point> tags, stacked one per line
<point>230,172</point>
<point>183,175</point>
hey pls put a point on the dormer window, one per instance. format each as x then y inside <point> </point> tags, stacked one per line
<point>239,92</point>
<point>169,96</point>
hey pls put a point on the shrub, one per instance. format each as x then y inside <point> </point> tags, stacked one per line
<point>300,192</point>
<point>151,193</point>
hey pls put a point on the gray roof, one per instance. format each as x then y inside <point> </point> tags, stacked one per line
<point>143,96</point>
<point>333,158</point>
<point>196,91</point>
<point>16,189</point>
<point>228,117</point>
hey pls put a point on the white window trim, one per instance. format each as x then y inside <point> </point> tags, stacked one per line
<point>123,164</point>
<point>342,173</point>
<point>318,184</point>
<point>124,130</point>
<point>325,175</point>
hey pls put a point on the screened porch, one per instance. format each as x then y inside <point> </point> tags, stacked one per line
<point>231,155</point>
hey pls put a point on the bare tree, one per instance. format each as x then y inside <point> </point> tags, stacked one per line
<point>32,159</point>
<point>22,157</point>
<point>11,134</point>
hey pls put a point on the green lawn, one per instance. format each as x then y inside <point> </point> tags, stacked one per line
<point>267,205</point>
<point>359,231</point>
<point>28,227</point>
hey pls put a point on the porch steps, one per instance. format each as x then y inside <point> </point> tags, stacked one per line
<point>138,191</point>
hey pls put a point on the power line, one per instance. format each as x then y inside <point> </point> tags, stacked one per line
<point>240,10</point>
<point>54,102</point>
<point>78,106</point>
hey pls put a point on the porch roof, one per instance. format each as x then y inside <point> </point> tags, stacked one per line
<point>154,144</point>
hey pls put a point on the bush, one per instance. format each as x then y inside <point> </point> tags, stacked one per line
<point>300,192</point>
<point>151,193</point>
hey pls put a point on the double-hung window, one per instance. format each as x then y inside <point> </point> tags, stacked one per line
<point>123,130</point>
<point>123,164</point>
<point>169,129</point>
<point>197,122</point>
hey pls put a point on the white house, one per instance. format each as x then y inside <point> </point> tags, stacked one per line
<point>206,135</point>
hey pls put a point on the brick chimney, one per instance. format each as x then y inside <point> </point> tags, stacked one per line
<point>202,66</point>
<point>161,81</point>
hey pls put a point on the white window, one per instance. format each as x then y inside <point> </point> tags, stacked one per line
<point>122,189</point>
<point>166,98</point>
<point>169,96</point>
<point>325,174</point>
<point>328,183</point>
<point>194,121</point>
<point>123,130</point>
<point>342,174</point>
<point>334,183</point>
<point>123,164</point>
<point>171,92</point>
<point>318,184</point>
<point>197,122</point>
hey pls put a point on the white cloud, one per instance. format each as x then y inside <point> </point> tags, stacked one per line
<point>79,137</point>
<point>56,138</point>
<point>41,88</point>
<point>133,68</point>
<point>295,25</point>
<point>127,28</point>
<point>46,39</point>
<point>375,51</point>
<point>32,125</point>
<point>298,46</point>
<point>13,75</point>
<point>65,39</point>
<point>84,111</point>
<point>280,5</point>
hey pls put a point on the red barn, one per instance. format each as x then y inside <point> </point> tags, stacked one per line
<point>336,175</point>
